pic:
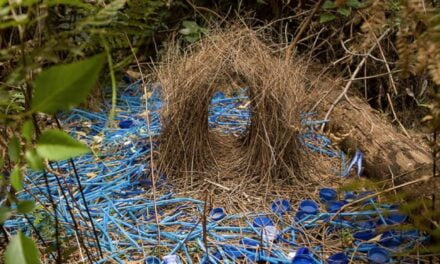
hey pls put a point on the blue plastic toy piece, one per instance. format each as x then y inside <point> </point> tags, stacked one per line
<point>377,255</point>
<point>152,260</point>
<point>217,214</point>
<point>262,221</point>
<point>280,207</point>
<point>327,195</point>
<point>364,234</point>
<point>309,207</point>
<point>124,124</point>
<point>338,258</point>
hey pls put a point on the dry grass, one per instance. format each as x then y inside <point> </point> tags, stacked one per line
<point>269,149</point>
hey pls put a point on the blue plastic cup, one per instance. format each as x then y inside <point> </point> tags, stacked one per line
<point>327,195</point>
<point>217,214</point>
<point>262,221</point>
<point>377,255</point>
<point>152,260</point>
<point>309,207</point>
<point>364,235</point>
<point>338,258</point>
<point>280,207</point>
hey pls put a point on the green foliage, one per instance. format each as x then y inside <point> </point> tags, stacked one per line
<point>25,206</point>
<point>56,88</point>
<point>57,145</point>
<point>5,213</point>
<point>332,8</point>
<point>14,149</point>
<point>192,31</point>
<point>33,160</point>
<point>17,178</point>
<point>22,250</point>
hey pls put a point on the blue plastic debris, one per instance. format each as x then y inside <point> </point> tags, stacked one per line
<point>262,221</point>
<point>327,195</point>
<point>152,260</point>
<point>377,255</point>
<point>217,214</point>
<point>396,218</point>
<point>338,258</point>
<point>364,235</point>
<point>302,256</point>
<point>334,206</point>
<point>280,207</point>
<point>308,206</point>
<point>125,124</point>
<point>355,162</point>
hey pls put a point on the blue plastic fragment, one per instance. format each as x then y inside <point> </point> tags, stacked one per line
<point>396,218</point>
<point>338,258</point>
<point>302,256</point>
<point>280,207</point>
<point>327,194</point>
<point>249,242</point>
<point>377,255</point>
<point>334,206</point>
<point>365,234</point>
<point>391,239</point>
<point>152,260</point>
<point>124,124</point>
<point>262,221</point>
<point>308,206</point>
<point>217,214</point>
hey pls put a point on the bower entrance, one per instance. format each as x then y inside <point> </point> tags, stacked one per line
<point>269,148</point>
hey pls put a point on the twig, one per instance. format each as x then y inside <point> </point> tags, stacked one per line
<point>395,116</point>
<point>353,76</point>
<point>304,25</point>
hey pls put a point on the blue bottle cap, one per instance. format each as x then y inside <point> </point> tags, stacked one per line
<point>280,207</point>
<point>338,258</point>
<point>396,218</point>
<point>217,214</point>
<point>308,206</point>
<point>334,206</point>
<point>391,239</point>
<point>125,123</point>
<point>378,255</point>
<point>327,194</point>
<point>303,259</point>
<point>152,260</point>
<point>262,221</point>
<point>364,234</point>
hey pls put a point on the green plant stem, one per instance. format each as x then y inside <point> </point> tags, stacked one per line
<point>113,79</point>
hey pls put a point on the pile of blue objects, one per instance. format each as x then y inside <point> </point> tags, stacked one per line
<point>132,226</point>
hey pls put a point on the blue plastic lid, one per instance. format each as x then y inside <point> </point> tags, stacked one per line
<point>334,206</point>
<point>396,218</point>
<point>391,238</point>
<point>366,224</point>
<point>327,194</point>
<point>280,206</point>
<point>378,255</point>
<point>125,123</point>
<point>152,260</point>
<point>262,221</point>
<point>303,259</point>
<point>365,234</point>
<point>338,258</point>
<point>308,206</point>
<point>350,196</point>
<point>299,216</point>
<point>302,251</point>
<point>217,214</point>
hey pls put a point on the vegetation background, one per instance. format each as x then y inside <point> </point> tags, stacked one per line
<point>55,54</point>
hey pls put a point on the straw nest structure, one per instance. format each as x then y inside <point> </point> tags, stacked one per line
<point>270,146</point>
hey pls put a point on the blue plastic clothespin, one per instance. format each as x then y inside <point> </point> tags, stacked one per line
<point>356,161</point>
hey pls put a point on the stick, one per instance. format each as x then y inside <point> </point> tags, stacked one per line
<point>305,24</point>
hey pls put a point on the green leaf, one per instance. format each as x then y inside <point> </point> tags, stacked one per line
<point>5,213</point>
<point>326,17</point>
<point>191,25</point>
<point>329,5</point>
<point>34,161</point>
<point>57,145</point>
<point>185,31</point>
<point>22,250</point>
<point>14,149</point>
<point>355,4</point>
<point>344,11</point>
<point>62,87</point>
<point>17,179</point>
<point>25,206</point>
<point>27,131</point>
<point>74,3</point>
